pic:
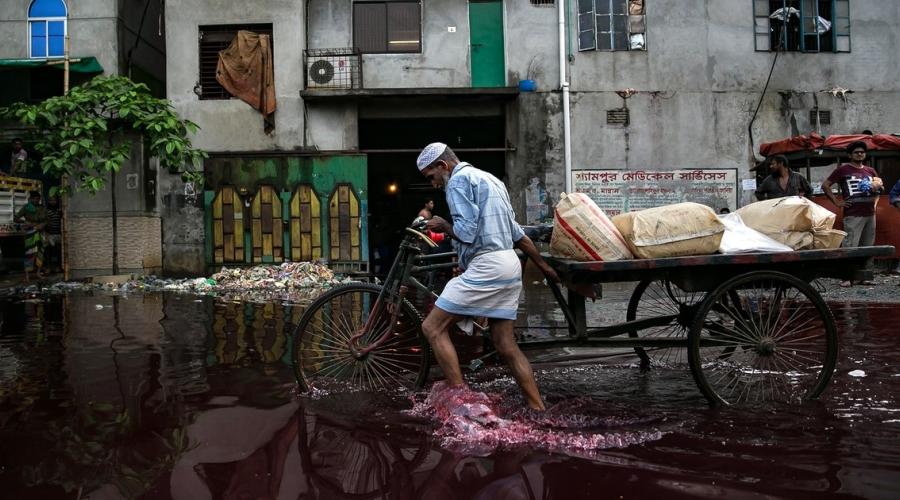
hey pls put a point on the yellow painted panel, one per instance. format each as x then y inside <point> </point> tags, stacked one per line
<point>354,207</point>
<point>295,232</point>
<point>217,206</point>
<point>239,255</point>
<point>217,233</point>
<point>254,207</point>
<point>266,194</point>
<point>355,253</point>
<point>354,232</point>
<point>267,244</point>
<point>219,256</point>
<point>257,234</point>
<point>239,233</point>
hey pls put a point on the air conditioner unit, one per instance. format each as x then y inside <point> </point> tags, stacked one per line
<point>329,72</point>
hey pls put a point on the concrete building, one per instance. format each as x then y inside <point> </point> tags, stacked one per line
<point>655,86</point>
<point>110,37</point>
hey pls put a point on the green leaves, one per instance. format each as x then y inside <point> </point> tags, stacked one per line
<point>88,132</point>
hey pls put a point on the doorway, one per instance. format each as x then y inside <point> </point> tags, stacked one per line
<point>486,42</point>
<point>397,191</point>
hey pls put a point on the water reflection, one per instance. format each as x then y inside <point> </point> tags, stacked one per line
<point>176,396</point>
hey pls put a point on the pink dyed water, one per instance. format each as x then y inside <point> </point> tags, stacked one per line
<point>478,423</point>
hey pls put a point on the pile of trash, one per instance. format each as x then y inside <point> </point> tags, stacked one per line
<point>287,279</point>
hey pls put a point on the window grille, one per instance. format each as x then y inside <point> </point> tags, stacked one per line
<point>802,25</point>
<point>543,3</point>
<point>387,26</point>
<point>214,39</point>
<point>611,25</point>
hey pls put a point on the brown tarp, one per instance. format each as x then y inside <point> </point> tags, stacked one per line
<point>246,71</point>
<point>877,142</point>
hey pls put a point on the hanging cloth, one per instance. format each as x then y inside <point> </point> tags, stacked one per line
<point>246,70</point>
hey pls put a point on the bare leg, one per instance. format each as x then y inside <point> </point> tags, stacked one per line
<point>505,342</point>
<point>437,330</point>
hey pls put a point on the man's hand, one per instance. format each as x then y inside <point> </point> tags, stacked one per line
<point>527,246</point>
<point>437,224</point>
<point>548,271</point>
<point>840,203</point>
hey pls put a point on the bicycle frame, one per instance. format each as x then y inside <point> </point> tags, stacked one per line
<point>410,261</point>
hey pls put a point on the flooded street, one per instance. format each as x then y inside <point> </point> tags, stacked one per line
<point>188,397</point>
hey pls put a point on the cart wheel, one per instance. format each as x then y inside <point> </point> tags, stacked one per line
<point>762,337</point>
<point>322,353</point>
<point>662,298</point>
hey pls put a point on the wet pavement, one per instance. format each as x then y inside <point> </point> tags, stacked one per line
<point>163,395</point>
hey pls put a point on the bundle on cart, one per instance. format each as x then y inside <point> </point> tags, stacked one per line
<point>794,221</point>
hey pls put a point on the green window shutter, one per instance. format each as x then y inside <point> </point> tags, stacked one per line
<point>587,39</point>
<point>840,26</point>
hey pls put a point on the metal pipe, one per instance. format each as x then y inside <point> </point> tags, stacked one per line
<point>564,86</point>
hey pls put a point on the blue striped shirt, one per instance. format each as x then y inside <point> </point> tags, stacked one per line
<point>483,218</point>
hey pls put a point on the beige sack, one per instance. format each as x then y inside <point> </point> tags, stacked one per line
<point>790,213</point>
<point>828,238</point>
<point>581,231</point>
<point>671,230</point>
<point>798,240</point>
<point>793,220</point>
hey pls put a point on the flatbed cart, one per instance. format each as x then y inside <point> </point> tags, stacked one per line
<point>752,327</point>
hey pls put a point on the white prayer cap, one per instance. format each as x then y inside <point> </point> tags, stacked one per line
<point>429,154</point>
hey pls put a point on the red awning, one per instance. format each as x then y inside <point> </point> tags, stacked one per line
<point>877,142</point>
<point>792,144</point>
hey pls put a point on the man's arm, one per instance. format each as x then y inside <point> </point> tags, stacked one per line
<point>805,188</point>
<point>826,188</point>
<point>527,246</point>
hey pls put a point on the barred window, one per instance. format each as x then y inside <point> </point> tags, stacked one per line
<point>611,25</point>
<point>392,26</point>
<point>214,39</point>
<point>802,25</point>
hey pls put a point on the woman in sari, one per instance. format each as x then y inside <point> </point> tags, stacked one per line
<point>35,216</point>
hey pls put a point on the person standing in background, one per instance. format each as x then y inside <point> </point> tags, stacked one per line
<point>782,181</point>
<point>859,185</point>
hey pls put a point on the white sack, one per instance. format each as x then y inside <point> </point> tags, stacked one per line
<point>739,238</point>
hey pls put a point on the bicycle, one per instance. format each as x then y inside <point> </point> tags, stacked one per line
<point>368,335</point>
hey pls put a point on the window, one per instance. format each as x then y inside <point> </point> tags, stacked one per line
<point>543,3</point>
<point>387,26</point>
<point>214,39</point>
<point>802,25</point>
<point>47,29</point>
<point>611,25</point>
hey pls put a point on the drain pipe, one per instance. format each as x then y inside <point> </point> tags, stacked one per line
<point>564,86</point>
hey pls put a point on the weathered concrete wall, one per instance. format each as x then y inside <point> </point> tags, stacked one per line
<point>181,209</point>
<point>91,27</point>
<point>532,44</point>
<point>232,125</point>
<point>443,61</point>
<point>699,83</point>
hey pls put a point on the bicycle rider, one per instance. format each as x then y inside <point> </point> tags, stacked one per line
<point>484,233</point>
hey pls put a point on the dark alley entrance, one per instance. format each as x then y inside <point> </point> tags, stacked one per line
<point>396,189</point>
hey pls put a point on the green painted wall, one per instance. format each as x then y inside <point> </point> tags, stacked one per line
<point>285,173</point>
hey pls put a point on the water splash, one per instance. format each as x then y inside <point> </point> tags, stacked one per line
<point>477,423</point>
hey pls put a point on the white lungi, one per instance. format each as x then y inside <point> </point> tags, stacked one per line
<point>489,287</point>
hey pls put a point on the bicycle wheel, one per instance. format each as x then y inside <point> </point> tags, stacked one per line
<point>762,337</point>
<point>652,299</point>
<point>322,353</point>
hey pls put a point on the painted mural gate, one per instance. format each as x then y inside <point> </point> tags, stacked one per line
<point>271,210</point>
